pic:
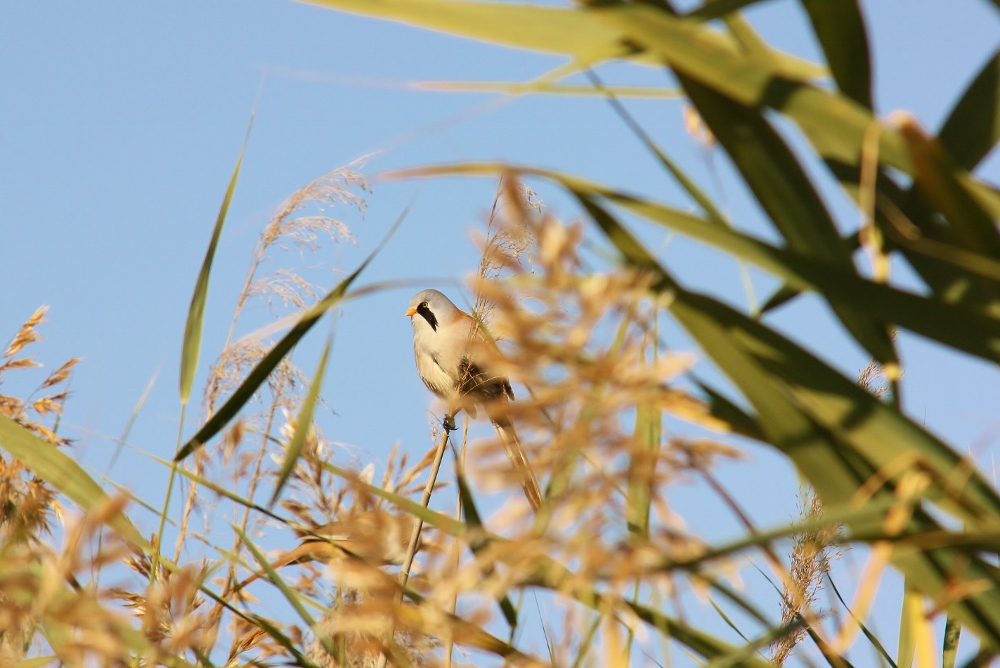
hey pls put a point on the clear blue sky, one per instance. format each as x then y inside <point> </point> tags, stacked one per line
<point>120,123</point>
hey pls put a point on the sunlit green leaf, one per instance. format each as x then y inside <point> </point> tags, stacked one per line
<point>837,434</point>
<point>938,180</point>
<point>738,420</point>
<point>641,473</point>
<point>785,192</point>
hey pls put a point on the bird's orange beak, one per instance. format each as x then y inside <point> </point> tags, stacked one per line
<point>411,312</point>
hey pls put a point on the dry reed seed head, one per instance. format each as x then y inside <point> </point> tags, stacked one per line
<point>62,373</point>
<point>519,204</point>
<point>248,636</point>
<point>171,614</point>
<point>284,286</point>
<point>231,441</point>
<point>291,225</point>
<point>27,503</point>
<point>701,453</point>
<point>358,636</point>
<point>560,337</point>
<point>10,406</point>
<point>20,363</point>
<point>873,379</point>
<point>557,254</point>
<point>510,228</point>
<point>283,385</point>
<point>80,629</point>
<point>27,333</point>
<point>29,415</point>
<point>336,187</point>
<point>810,559</point>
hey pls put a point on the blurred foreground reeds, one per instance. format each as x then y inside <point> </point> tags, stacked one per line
<point>613,421</point>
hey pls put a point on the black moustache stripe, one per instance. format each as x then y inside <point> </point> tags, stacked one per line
<point>428,316</point>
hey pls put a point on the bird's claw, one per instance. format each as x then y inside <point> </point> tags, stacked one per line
<point>449,423</point>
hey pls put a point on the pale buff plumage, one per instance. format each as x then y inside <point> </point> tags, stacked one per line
<point>455,363</point>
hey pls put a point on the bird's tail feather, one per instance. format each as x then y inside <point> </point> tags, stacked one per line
<point>511,443</point>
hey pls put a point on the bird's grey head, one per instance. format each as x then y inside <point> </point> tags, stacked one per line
<point>429,308</point>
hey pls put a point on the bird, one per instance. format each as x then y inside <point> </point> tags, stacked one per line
<point>455,363</point>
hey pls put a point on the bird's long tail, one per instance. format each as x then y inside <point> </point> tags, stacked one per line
<point>512,444</point>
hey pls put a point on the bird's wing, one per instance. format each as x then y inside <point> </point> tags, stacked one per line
<point>474,381</point>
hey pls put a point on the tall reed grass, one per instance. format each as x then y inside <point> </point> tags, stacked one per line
<point>402,566</point>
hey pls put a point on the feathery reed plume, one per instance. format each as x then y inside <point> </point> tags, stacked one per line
<point>872,379</point>
<point>507,237</point>
<point>301,222</point>
<point>810,563</point>
<point>811,551</point>
<point>28,504</point>
<point>31,412</point>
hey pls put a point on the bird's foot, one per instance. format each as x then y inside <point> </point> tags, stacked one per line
<point>449,423</point>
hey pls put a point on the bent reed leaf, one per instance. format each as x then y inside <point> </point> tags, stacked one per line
<point>967,329</point>
<point>717,9</point>
<point>785,192</point>
<point>833,123</point>
<point>836,433</point>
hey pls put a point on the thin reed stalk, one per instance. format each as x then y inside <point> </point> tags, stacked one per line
<point>414,542</point>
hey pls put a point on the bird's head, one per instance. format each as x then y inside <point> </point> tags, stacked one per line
<point>430,308</point>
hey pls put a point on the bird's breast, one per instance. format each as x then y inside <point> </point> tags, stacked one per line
<point>432,370</point>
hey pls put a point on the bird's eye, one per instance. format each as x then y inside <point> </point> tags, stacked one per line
<point>423,305</point>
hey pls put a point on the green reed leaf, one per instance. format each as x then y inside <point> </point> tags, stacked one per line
<point>840,29</point>
<point>973,126</point>
<point>970,330</point>
<point>303,424</point>
<point>191,349</point>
